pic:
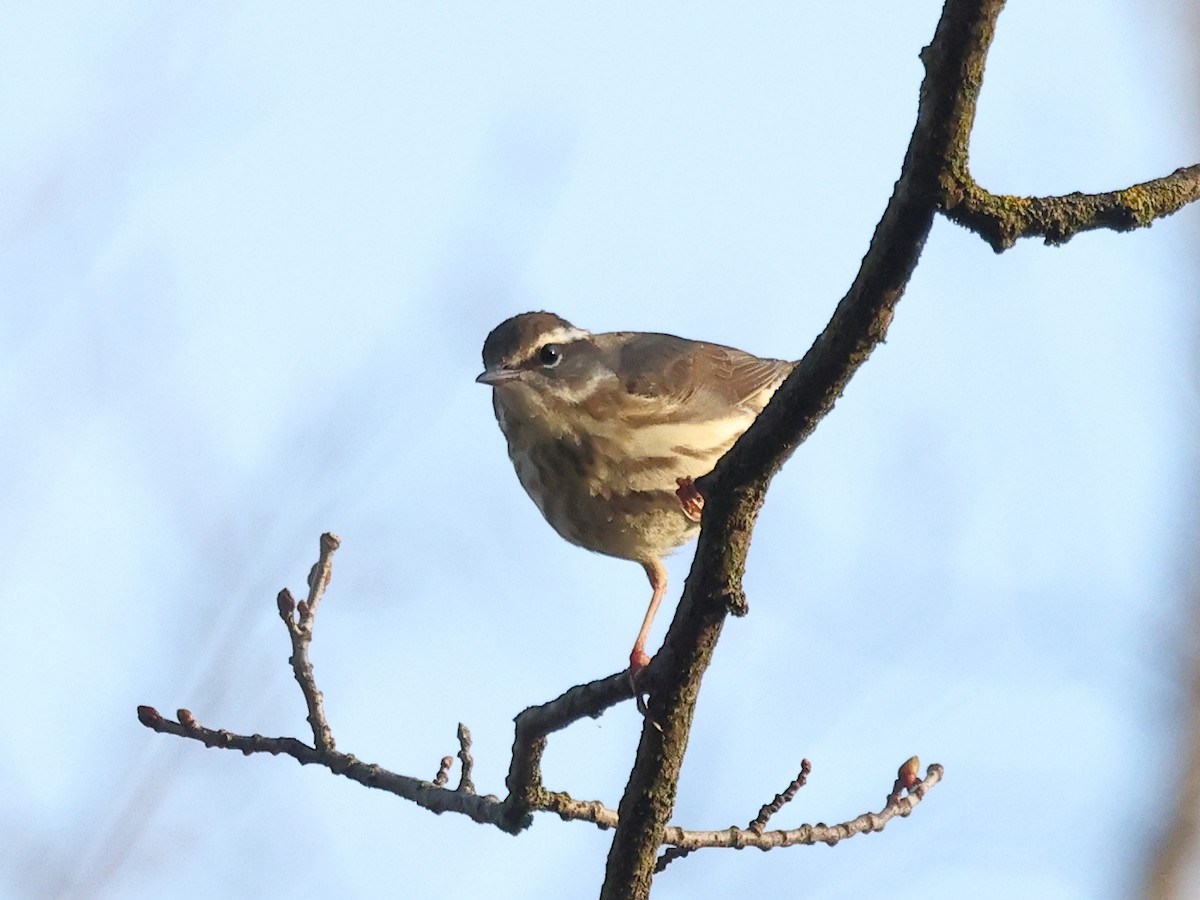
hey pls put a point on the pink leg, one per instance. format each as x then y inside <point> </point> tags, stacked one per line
<point>638,659</point>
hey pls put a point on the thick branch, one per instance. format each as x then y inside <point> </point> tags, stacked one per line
<point>735,490</point>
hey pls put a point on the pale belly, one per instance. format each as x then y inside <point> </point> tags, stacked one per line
<point>619,507</point>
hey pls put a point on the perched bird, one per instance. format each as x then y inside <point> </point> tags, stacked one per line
<point>607,432</point>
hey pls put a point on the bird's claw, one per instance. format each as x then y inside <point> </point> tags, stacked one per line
<point>637,662</point>
<point>690,498</point>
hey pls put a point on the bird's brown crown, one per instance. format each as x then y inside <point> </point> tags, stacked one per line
<point>519,336</point>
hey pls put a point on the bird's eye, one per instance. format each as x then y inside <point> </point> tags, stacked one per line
<point>550,355</point>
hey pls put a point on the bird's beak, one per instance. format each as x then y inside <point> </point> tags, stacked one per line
<point>498,376</point>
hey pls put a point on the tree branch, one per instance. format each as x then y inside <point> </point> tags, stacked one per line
<point>734,491</point>
<point>425,794</point>
<point>527,794</point>
<point>934,178</point>
<point>1001,220</point>
<point>900,802</point>
<point>300,630</point>
<point>757,825</point>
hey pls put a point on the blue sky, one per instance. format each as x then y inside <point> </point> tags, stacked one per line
<point>248,256</point>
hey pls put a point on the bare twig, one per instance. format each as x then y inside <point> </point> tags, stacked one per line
<point>769,809</point>
<point>426,794</point>
<point>300,630</point>
<point>489,810</point>
<point>810,834</point>
<point>760,821</point>
<point>443,772</point>
<point>464,755</point>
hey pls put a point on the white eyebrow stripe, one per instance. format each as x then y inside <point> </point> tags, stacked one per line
<point>562,335</point>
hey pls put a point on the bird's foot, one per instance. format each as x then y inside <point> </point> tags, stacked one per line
<point>690,498</point>
<point>638,661</point>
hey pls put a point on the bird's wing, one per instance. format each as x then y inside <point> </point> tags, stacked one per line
<point>694,381</point>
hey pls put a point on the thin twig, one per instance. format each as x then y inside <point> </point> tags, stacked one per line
<point>443,772</point>
<point>759,823</point>
<point>769,809</point>
<point>866,823</point>
<point>300,631</point>
<point>464,755</point>
<point>484,809</point>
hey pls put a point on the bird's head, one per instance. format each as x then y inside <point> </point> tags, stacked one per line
<point>545,354</point>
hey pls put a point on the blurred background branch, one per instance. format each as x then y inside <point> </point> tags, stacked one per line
<point>1173,871</point>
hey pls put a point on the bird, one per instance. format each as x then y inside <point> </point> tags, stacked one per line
<point>608,433</point>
